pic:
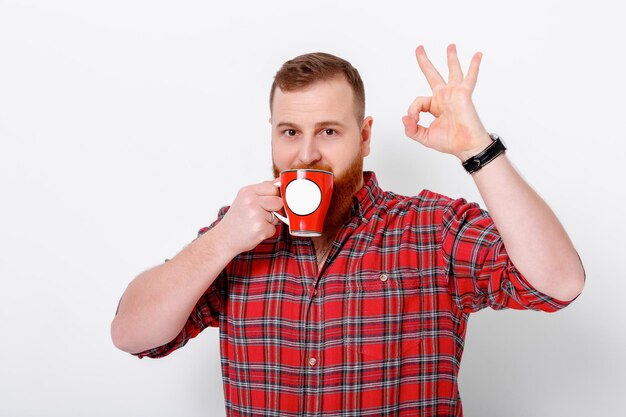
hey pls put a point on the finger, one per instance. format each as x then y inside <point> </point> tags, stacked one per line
<point>455,73</point>
<point>267,188</point>
<point>270,203</point>
<point>419,105</point>
<point>472,73</point>
<point>272,218</point>
<point>413,130</point>
<point>430,72</point>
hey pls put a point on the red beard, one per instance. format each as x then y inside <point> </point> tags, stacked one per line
<point>344,189</point>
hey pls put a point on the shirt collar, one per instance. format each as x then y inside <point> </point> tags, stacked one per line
<point>367,198</point>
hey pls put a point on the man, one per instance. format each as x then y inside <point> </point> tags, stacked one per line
<point>370,318</point>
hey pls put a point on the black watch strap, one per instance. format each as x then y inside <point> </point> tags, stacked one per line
<point>490,153</point>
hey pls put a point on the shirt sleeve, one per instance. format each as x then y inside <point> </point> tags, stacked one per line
<point>479,269</point>
<point>205,314</point>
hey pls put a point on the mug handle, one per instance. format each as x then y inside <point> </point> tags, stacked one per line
<point>279,216</point>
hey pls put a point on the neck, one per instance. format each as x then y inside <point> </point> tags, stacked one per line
<point>322,248</point>
<point>321,242</point>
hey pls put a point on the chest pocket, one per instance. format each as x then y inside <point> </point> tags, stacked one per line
<point>383,310</point>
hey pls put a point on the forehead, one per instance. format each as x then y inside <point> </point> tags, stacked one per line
<point>327,99</point>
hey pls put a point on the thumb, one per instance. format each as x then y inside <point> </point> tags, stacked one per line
<point>413,130</point>
<point>410,125</point>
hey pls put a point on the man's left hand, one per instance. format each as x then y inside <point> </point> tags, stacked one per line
<point>457,129</point>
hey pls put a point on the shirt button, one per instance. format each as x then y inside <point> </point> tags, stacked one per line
<point>312,361</point>
<point>314,293</point>
<point>383,277</point>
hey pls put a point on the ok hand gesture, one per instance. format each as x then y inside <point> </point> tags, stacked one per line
<point>457,129</point>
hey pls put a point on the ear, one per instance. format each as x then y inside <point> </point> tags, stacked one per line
<point>366,135</point>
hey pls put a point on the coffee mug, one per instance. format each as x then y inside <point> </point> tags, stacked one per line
<point>306,196</point>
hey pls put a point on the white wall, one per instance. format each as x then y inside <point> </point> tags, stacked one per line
<point>125,125</point>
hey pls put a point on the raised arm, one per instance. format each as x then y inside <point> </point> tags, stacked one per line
<point>536,242</point>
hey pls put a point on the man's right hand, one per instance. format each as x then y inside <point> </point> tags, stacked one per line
<point>249,220</point>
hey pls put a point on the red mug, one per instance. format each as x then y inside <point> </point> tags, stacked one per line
<point>306,196</point>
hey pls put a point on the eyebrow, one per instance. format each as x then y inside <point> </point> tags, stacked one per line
<point>317,125</point>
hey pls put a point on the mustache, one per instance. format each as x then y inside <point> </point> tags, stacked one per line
<point>313,166</point>
<point>322,167</point>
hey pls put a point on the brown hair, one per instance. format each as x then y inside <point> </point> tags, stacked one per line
<point>304,70</point>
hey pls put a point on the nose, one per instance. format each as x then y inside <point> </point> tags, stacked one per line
<point>309,153</point>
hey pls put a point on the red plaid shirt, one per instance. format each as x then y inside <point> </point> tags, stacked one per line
<point>379,330</point>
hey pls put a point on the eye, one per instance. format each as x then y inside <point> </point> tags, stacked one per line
<point>330,132</point>
<point>289,132</point>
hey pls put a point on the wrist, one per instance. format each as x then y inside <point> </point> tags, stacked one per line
<point>485,156</point>
<point>479,145</point>
<point>216,242</point>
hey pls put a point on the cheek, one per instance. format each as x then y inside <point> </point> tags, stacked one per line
<point>280,155</point>
<point>342,160</point>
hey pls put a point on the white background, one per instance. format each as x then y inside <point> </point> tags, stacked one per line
<point>125,125</point>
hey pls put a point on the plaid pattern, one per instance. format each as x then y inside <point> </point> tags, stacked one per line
<point>379,330</point>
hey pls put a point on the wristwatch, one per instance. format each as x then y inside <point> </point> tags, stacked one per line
<point>490,153</point>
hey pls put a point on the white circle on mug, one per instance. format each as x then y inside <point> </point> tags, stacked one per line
<point>303,196</point>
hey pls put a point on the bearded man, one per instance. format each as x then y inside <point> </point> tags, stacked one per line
<point>370,317</point>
